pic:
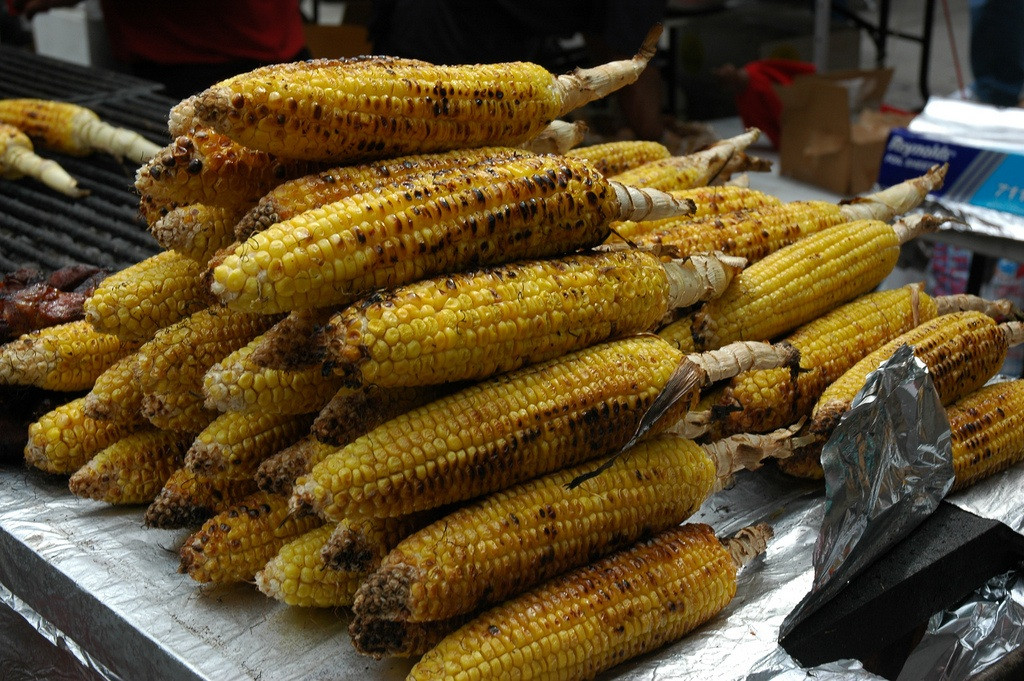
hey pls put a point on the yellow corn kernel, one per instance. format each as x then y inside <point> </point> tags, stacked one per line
<point>686,172</point>
<point>759,401</point>
<point>496,548</point>
<point>376,107</point>
<point>296,575</point>
<point>986,427</point>
<point>64,357</point>
<point>188,498</point>
<point>206,167</point>
<point>293,197</point>
<point>802,281</point>
<point>171,366</point>
<point>73,129</point>
<point>235,544</point>
<point>495,212</point>
<point>64,439</point>
<point>515,426</point>
<point>18,159</point>
<point>277,474</point>
<point>589,620</point>
<point>131,470</point>
<point>197,230</point>
<point>133,303</point>
<point>612,158</point>
<point>116,394</point>
<point>235,443</point>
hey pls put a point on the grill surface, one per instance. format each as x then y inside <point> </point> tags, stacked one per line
<point>42,228</point>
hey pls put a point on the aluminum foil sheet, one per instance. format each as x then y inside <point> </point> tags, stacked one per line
<point>965,641</point>
<point>887,466</point>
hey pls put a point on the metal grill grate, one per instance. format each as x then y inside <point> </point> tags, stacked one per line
<point>42,228</point>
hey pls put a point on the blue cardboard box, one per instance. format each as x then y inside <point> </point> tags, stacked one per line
<point>979,177</point>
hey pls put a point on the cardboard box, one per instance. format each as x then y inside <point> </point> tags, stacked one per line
<point>832,134</point>
<point>979,177</point>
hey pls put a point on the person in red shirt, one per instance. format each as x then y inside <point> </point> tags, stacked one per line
<point>190,44</point>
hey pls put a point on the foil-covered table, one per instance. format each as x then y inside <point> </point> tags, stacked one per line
<point>96,583</point>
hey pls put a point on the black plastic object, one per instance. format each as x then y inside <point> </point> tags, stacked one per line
<point>878,615</point>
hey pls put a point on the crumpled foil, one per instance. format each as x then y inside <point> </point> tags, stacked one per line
<point>965,641</point>
<point>887,466</point>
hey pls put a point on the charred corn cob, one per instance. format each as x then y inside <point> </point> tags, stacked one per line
<point>116,395</point>
<point>206,167</point>
<point>278,472</point>
<point>829,346</point>
<point>64,439</point>
<point>18,159</point>
<point>133,303</point>
<point>750,234</point>
<point>190,498</point>
<point>709,202</point>
<point>133,469</point>
<point>73,129</point>
<point>493,549</point>
<point>375,107</point>
<point>757,232</point>
<point>591,619</point>
<point>358,544</point>
<point>297,196</point>
<point>473,325</point>
<point>296,575</point>
<point>686,172</point>
<point>798,283</point>
<point>495,212</point>
<point>237,383</point>
<point>515,426</point>
<point>235,443</point>
<point>172,365</point>
<point>986,427</point>
<point>279,370</point>
<point>757,401</point>
<point>390,638</point>
<point>352,413</point>
<point>612,158</point>
<point>197,230</point>
<point>962,350</point>
<point>66,357</point>
<point>235,544</point>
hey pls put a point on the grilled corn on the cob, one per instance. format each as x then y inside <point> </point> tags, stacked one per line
<point>73,129</point>
<point>474,325</point>
<point>516,426</point>
<point>66,357</point>
<point>374,107</point>
<point>588,620</point>
<point>235,544</point>
<point>495,212</point>
<point>500,546</point>
<point>18,159</point>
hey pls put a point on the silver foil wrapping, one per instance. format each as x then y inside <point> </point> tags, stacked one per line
<point>887,465</point>
<point>965,641</point>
